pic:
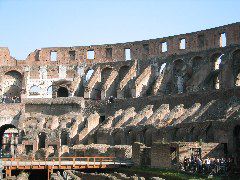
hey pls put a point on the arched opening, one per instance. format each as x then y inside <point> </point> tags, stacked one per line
<point>117,138</point>
<point>41,140</point>
<point>121,75</point>
<point>12,86</point>
<point>64,138</point>
<point>191,135</point>
<point>8,139</point>
<point>147,137</point>
<point>197,62</point>
<point>178,66</point>
<point>122,72</point>
<point>105,73</point>
<point>49,91</point>
<point>34,91</point>
<point>209,133</point>
<point>174,136</point>
<point>236,67</point>
<point>89,74</point>
<point>62,92</point>
<point>216,61</point>
<point>179,70</point>
<point>162,68</point>
<point>131,138</point>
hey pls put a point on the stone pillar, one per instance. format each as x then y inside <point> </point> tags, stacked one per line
<point>12,148</point>
<point>137,153</point>
<point>180,84</point>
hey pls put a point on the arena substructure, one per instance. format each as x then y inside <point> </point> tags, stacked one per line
<point>150,102</point>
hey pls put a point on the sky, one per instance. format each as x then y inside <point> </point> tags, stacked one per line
<point>26,25</point>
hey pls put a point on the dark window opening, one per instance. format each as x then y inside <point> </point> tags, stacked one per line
<point>109,53</point>
<point>236,135</point>
<point>62,92</point>
<point>28,148</point>
<point>146,48</point>
<point>225,149</point>
<point>41,139</point>
<point>102,119</point>
<point>37,55</point>
<point>72,55</point>
<point>173,151</point>
<point>64,138</point>
<point>201,40</point>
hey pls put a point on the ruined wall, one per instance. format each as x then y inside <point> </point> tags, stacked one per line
<point>69,96</point>
<point>197,41</point>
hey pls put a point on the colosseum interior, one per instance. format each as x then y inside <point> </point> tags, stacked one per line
<point>141,101</point>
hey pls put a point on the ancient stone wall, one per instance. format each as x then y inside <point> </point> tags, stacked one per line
<point>185,91</point>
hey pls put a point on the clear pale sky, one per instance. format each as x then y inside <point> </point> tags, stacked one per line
<point>26,25</point>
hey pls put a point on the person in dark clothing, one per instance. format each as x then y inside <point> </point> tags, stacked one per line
<point>111,99</point>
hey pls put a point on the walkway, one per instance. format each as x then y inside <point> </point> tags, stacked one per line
<point>58,163</point>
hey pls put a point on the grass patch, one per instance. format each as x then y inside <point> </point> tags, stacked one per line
<point>163,173</point>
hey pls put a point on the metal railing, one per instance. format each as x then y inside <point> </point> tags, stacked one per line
<point>60,161</point>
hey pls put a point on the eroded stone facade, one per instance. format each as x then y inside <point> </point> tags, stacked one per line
<point>98,94</point>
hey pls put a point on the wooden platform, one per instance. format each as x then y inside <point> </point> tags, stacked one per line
<point>62,163</point>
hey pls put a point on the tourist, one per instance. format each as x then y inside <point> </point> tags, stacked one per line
<point>185,163</point>
<point>199,165</point>
<point>111,99</point>
<point>222,165</point>
<point>207,164</point>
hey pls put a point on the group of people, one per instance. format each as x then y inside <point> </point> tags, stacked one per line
<point>14,99</point>
<point>208,165</point>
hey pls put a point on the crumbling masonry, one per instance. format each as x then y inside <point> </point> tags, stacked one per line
<point>182,88</point>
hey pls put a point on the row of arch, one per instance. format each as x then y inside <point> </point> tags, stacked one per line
<point>148,136</point>
<point>105,73</point>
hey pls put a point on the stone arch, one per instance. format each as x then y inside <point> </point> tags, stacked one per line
<point>89,74</point>
<point>196,62</point>
<point>162,68</point>
<point>236,67</point>
<point>147,137</point>
<point>209,133</point>
<point>179,66</point>
<point>49,91</point>
<point>179,71</point>
<point>174,135</point>
<point>123,70</point>
<point>131,137</point>
<point>216,60</point>
<point>12,85</point>
<point>34,90</point>
<point>191,136</point>
<point>62,92</point>
<point>7,144</point>
<point>117,138</point>
<point>105,73</point>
